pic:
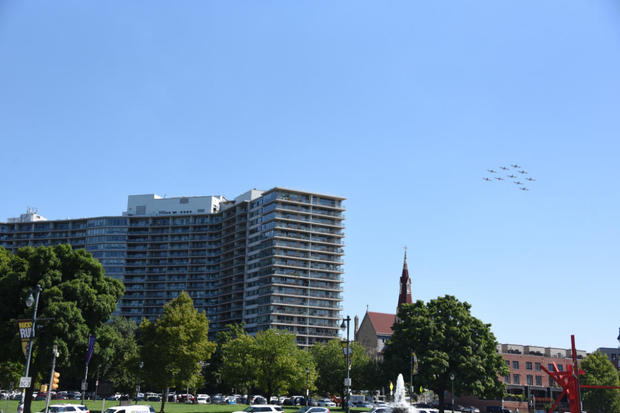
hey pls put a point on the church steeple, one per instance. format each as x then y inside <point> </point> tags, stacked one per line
<point>404,297</point>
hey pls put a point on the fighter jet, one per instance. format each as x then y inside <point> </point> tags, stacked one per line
<point>499,178</point>
<point>514,165</point>
<point>522,172</point>
<point>524,189</point>
<point>503,168</point>
<point>487,179</point>
<point>492,171</point>
<point>511,176</point>
<point>518,182</point>
<point>530,179</point>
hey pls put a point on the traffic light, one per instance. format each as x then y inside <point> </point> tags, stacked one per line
<point>55,380</point>
<point>43,388</point>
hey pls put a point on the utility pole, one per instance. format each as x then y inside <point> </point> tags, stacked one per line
<point>55,354</point>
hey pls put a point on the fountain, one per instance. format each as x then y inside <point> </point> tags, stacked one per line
<point>400,404</point>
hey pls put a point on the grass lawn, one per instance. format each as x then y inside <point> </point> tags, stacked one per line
<point>95,407</point>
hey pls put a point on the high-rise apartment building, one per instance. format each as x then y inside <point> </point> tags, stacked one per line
<point>269,259</point>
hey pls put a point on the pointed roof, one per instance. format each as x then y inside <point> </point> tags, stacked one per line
<point>404,295</point>
<point>382,322</point>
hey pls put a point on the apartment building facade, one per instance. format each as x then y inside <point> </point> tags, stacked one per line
<point>269,259</point>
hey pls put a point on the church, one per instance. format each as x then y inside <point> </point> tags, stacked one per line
<point>376,328</point>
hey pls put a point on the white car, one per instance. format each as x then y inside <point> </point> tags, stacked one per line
<point>326,403</point>
<point>203,399</point>
<point>136,408</point>
<point>261,408</point>
<point>68,408</point>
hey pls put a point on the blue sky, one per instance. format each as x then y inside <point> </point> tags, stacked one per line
<point>398,106</point>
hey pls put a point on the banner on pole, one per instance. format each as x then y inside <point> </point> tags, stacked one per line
<point>91,347</point>
<point>25,331</point>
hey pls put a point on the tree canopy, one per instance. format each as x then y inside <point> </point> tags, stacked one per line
<point>117,354</point>
<point>331,360</point>
<point>447,340</point>
<point>599,371</point>
<point>270,362</point>
<point>175,346</point>
<point>76,299</point>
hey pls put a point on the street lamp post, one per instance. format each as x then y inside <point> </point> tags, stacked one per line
<point>347,382</point>
<point>452,380</point>
<point>29,301</point>
<point>307,389</point>
<point>139,378</point>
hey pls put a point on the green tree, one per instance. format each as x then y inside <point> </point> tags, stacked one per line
<point>270,362</point>
<point>238,369</point>
<point>447,340</point>
<point>76,299</point>
<point>599,371</point>
<point>330,360</point>
<point>175,346</point>
<point>280,364</point>
<point>117,354</point>
<point>10,372</point>
<point>213,370</point>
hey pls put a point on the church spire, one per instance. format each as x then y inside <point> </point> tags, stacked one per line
<point>404,297</point>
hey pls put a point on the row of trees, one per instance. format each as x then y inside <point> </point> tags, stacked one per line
<point>174,351</point>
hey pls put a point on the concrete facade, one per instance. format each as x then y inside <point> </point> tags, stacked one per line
<point>269,259</point>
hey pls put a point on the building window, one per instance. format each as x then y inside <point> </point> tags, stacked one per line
<point>560,367</point>
<point>516,379</point>
<point>528,365</point>
<point>550,367</point>
<point>530,380</point>
<point>507,379</point>
<point>539,380</point>
<point>508,363</point>
<point>537,366</point>
<point>515,364</point>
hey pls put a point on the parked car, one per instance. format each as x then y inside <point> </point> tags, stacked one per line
<point>298,400</point>
<point>362,404</point>
<point>186,398</point>
<point>203,399</point>
<point>326,403</point>
<point>136,408</point>
<point>68,408</point>
<point>218,399</point>
<point>382,409</point>
<point>311,409</point>
<point>258,400</point>
<point>261,408</point>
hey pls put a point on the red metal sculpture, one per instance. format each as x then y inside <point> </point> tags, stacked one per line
<point>569,381</point>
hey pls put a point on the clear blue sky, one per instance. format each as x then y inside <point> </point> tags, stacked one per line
<point>399,106</point>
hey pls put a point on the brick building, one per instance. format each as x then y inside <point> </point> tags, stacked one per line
<point>526,378</point>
